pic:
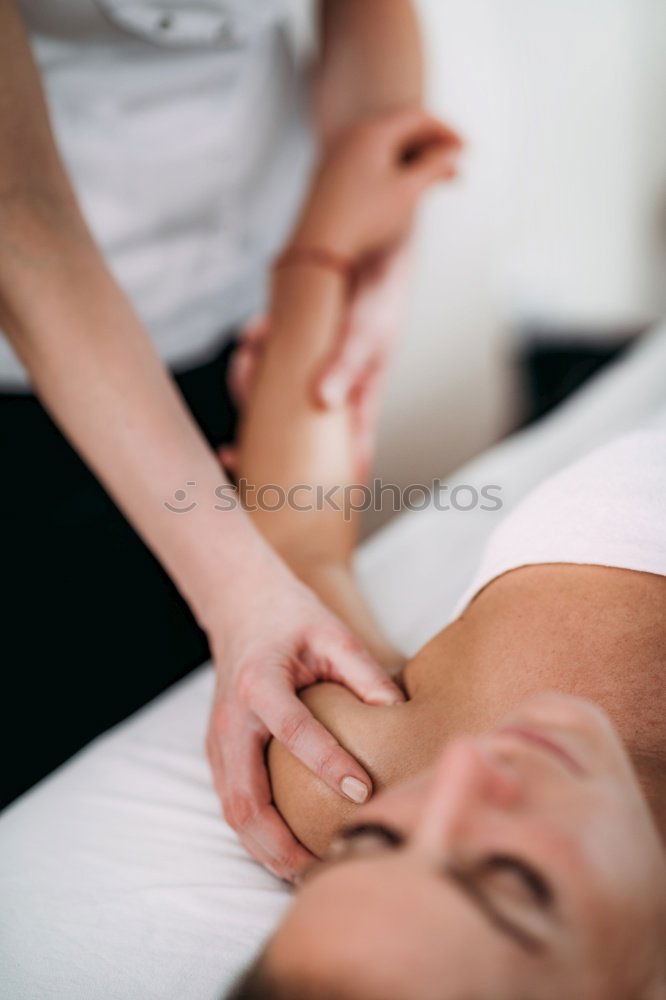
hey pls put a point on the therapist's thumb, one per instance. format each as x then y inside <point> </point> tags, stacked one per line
<point>344,367</point>
<point>352,665</point>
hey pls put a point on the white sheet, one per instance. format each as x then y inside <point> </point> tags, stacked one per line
<point>118,878</point>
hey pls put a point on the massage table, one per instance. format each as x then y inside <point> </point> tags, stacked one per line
<point>118,877</point>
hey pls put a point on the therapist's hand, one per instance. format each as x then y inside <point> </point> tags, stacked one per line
<point>271,638</point>
<point>357,365</point>
<point>355,368</point>
<point>362,204</point>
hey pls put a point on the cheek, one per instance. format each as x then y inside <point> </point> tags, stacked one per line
<point>625,870</point>
<point>617,884</point>
<point>616,836</point>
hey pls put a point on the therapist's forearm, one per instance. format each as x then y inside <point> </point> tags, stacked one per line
<point>90,360</point>
<point>94,368</point>
<point>371,60</point>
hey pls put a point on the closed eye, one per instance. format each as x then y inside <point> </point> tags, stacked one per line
<point>494,865</point>
<point>350,841</point>
<point>529,878</point>
<point>470,883</point>
<point>387,834</point>
<point>500,865</point>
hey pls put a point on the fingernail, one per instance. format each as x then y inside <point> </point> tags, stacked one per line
<point>383,697</point>
<point>354,789</point>
<point>333,391</point>
<point>283,876</point>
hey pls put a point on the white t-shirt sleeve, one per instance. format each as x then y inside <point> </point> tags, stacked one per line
<point>606,509</point>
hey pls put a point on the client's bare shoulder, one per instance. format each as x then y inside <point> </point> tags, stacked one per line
<point>381,739</point>
<point>391,743</point>
<point>593,631</point>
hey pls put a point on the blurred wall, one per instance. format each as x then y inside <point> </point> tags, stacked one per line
<point>558,216</point>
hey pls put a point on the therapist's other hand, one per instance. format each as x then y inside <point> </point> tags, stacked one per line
<point>357,365</point>
<point>365,192</point>
<point>356,368</point>
<point>361,205</point>
<point>268,643</point>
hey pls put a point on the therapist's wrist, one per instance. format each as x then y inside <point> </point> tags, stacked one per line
<point>208,548</point>
<point>317,254</point>
<point>317,228</point>
<point>246,567</point>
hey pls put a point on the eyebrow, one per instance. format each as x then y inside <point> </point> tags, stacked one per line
<point>465,883</point>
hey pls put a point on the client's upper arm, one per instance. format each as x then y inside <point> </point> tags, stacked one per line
<point>377,737</point>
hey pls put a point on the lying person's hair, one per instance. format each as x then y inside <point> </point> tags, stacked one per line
<point>259,982</point>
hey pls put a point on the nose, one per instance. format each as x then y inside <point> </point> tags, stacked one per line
<point>466,782</point>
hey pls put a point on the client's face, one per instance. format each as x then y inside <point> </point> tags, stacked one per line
<point>525,863</point>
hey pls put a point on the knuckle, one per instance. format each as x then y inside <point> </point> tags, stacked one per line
<point>285,860</point>
<point>350,644</point>
<point>327,760</point>
<point>220,786</point>
<point>327,632</point>
<point>239,810</point>
<point>219,721</point>
<point>246,684</point>
<point>251,849</point>
<point>291,729</point>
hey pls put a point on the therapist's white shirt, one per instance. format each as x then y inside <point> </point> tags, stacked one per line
<point>183,125</point>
